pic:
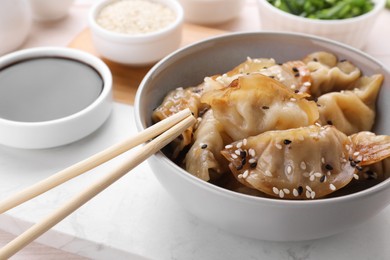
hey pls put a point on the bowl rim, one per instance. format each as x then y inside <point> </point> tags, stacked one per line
<point>182,173</point>
<point>121,37</point>
<point>378,6</point>
<point>61,52</point>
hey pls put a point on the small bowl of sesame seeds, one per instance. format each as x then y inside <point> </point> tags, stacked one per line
<point>136,32</point>
<point>243,211</point>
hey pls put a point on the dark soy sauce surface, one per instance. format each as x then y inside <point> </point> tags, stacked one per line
<point>47,88</point>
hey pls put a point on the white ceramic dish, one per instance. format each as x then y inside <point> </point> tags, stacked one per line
<point>256,217</point>
<point>208,12</point>
<point>139,49</point>
<point>353,31</point>
<point>62,130</point>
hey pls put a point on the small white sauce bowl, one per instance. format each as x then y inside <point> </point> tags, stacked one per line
<point>208,12</point>
<point>352,31</point>
<point>138,49</point>
<point>63,130</point>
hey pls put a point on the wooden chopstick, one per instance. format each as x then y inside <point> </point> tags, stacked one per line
<point>140,155</point>
<point>91,162</point>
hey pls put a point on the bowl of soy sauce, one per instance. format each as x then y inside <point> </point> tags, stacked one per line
<point>52,96</point>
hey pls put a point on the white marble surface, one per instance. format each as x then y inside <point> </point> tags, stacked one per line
<point>136,219</point>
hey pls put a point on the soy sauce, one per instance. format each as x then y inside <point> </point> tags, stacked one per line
<point>47,88</point>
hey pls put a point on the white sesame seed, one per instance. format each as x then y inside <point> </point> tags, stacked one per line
<point>252,160</point>
<point>303,165</point>
<point>240,176</point>
<point>318,174</point>
<point>279,146</point>
<point>359,158</point>
<point>307,83</point>
<point>328,173</point>
<point>295,192</point>
<point>308,195</point>
<point>312,195</point>
<point>347,147</point>
<point>356,153</point>
<point>332,187</point>
<point>293,99</point>
<point>275,190</point>
<point>308,188</point>
<point>239,144</point>
<point>234,156</point>
<point>228,146</point>
<point>293,86</point>
<point>268,173</point>
<point>245,141</point>
<point>323,160</point>
<point>245,174</point>
<point>286,191</point>
<point>312,178</point>
<point>318,124</point>
<point>289,169</point>
<point>252,152</point>
<point>356,177</point>
<point>238,152</point>
<point>281,194</point>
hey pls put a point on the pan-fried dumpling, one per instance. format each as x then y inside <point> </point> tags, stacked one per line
<point>303,163</point>
<point>178,100</point>
<point>204,159</point>
<point>330,74</point>
<point>255,103</point>
<point>351,111</point>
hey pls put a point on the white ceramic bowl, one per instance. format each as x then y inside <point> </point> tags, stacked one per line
<point>138,49</point>
<point>353,31</point>
<point>208,12</point>
<point>33,134</point>
<point>256,217</point>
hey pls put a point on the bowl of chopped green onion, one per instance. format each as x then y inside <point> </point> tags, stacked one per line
<point>346,21</point>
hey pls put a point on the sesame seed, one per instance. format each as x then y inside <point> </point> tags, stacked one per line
<point>318,124</point>
<point>295,192</point>
<point>242,154</point>
<point>295,69</point>
<point>279,146</point>
<point>289,169</point>
<point>296,75</point>
<point>243,161</point>
<point>303,165</point>
<point>328,167</point>
<point>356,153</point>
<point>323,178</point>
<point>308,188</point>
<point>308,194</point>
<point>203,146</point>
<point>323,160</point>
<point>332,187</point>
<point>239,167</point>
<point>312,195</point>
<point>355,176</point>
<point>286,142</point>
<point>318,174</point>
<point>293,86</point>
<point>300,190</point>
<point>252,152</point>
<point>252,160</point>
<point>228,146</point>
<point>234,156</point>
<point>281,194</point>
<point>239,144</point>
<point>328,173</point>
<point>286,191</point>
<point>306,84</point>
<point>352,163</point>
<point>238,152</point>
<point>329,122</point>
<point>240,176</point>
<point>312,178</point>
<point>265,107</point>
<point>268,173</point>
<point>293,99</point>
<point>359,168</point>
<point>253,165</point>
<point>245,174</point>
<point>245,141</point>
<point>275,190</point>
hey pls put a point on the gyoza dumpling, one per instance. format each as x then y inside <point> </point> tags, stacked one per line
<point>329,74</point>
<point>178,100</point>
<point>204,159</point>
<point>351,111</point>
<point>303,163</point>
<point>255,103</point>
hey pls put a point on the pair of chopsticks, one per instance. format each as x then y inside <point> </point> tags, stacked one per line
<point>166,131</point>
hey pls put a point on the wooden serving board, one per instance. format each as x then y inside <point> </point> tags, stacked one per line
<point>126,79</point>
